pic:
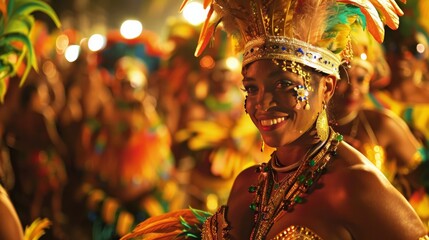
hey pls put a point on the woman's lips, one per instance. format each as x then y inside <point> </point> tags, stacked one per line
<point>271,124</point>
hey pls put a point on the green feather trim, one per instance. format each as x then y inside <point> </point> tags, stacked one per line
<point>339,24</point>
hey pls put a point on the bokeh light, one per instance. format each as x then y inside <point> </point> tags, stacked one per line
<point>61,43</point>
<point>420,48</point>
<point>96,42</point>
<point>131,29</point>
<point>195,13</point>
<point>233,63</point>
<point>72,53</point>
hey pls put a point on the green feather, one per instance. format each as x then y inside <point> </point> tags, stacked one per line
<point>339,24</point>
<point>342,15</point>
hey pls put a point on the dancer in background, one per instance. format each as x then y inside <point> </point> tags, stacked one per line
<point>382,136</point>
<point>406,94</point>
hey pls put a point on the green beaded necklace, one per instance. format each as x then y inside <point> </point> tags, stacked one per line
<point>270,200</point>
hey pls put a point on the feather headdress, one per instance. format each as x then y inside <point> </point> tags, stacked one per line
<point>315,33</point>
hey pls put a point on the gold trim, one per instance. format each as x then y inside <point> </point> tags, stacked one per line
<point>297,233</point>
<point>284,48</point>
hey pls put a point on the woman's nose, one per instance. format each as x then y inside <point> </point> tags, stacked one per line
<point>352,88</point>
<point>265,101</point>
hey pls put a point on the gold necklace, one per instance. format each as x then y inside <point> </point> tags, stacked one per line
<point>269,202</point>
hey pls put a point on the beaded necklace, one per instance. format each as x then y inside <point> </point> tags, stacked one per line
<point>271,199</point>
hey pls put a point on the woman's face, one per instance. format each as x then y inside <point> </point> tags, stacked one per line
<point>351,90</point>
<point>271,103</point>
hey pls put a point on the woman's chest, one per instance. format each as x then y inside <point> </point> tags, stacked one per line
<point>314,218</point>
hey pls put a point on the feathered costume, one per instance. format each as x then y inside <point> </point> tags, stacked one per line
<point>314,33</point>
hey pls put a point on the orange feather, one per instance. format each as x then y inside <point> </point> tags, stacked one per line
<point>207,32</point>
<point>183,5</point>
<point>390,15</point>
<point>374,24</point>
<point>164,226</point>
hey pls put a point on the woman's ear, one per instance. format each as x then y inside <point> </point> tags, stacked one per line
<point>329,84</point>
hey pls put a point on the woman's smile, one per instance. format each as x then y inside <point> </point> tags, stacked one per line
<point>271,124</point>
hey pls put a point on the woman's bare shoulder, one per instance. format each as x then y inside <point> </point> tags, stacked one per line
<point>247,177</point>
<point>367,202</point>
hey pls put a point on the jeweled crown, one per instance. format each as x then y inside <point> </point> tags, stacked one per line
<point>316,33</point>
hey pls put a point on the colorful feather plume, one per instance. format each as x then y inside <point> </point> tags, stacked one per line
<point>339,25</point>
<point>301,19</point>
<point>181,224</point>
<point>389,14</point>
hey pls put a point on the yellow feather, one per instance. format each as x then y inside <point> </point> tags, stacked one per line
<point>36,229</point>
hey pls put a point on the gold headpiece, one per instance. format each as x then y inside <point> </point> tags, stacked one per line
<point>315,33</point>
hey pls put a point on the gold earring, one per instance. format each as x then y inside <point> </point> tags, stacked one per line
<point>322,126</point>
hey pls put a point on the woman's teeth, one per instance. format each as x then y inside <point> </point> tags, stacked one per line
<point>270,122</point>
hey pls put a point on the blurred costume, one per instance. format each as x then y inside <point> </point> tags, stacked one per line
<point>37,154</point>
<point>314,34</point>
<point>132,166</point>
<point>406,95</point>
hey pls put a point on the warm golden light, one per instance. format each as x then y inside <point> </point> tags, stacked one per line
<point>96,42</point>
<point>72,53</point>
<point>131,29</point>
<point>194,13</point>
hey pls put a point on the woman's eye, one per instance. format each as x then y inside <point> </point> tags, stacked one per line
<point>283,84</point>
<point>361,79</point>
<point>250,89</point>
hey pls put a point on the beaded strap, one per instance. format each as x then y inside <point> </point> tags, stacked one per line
<point>212,225</point>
